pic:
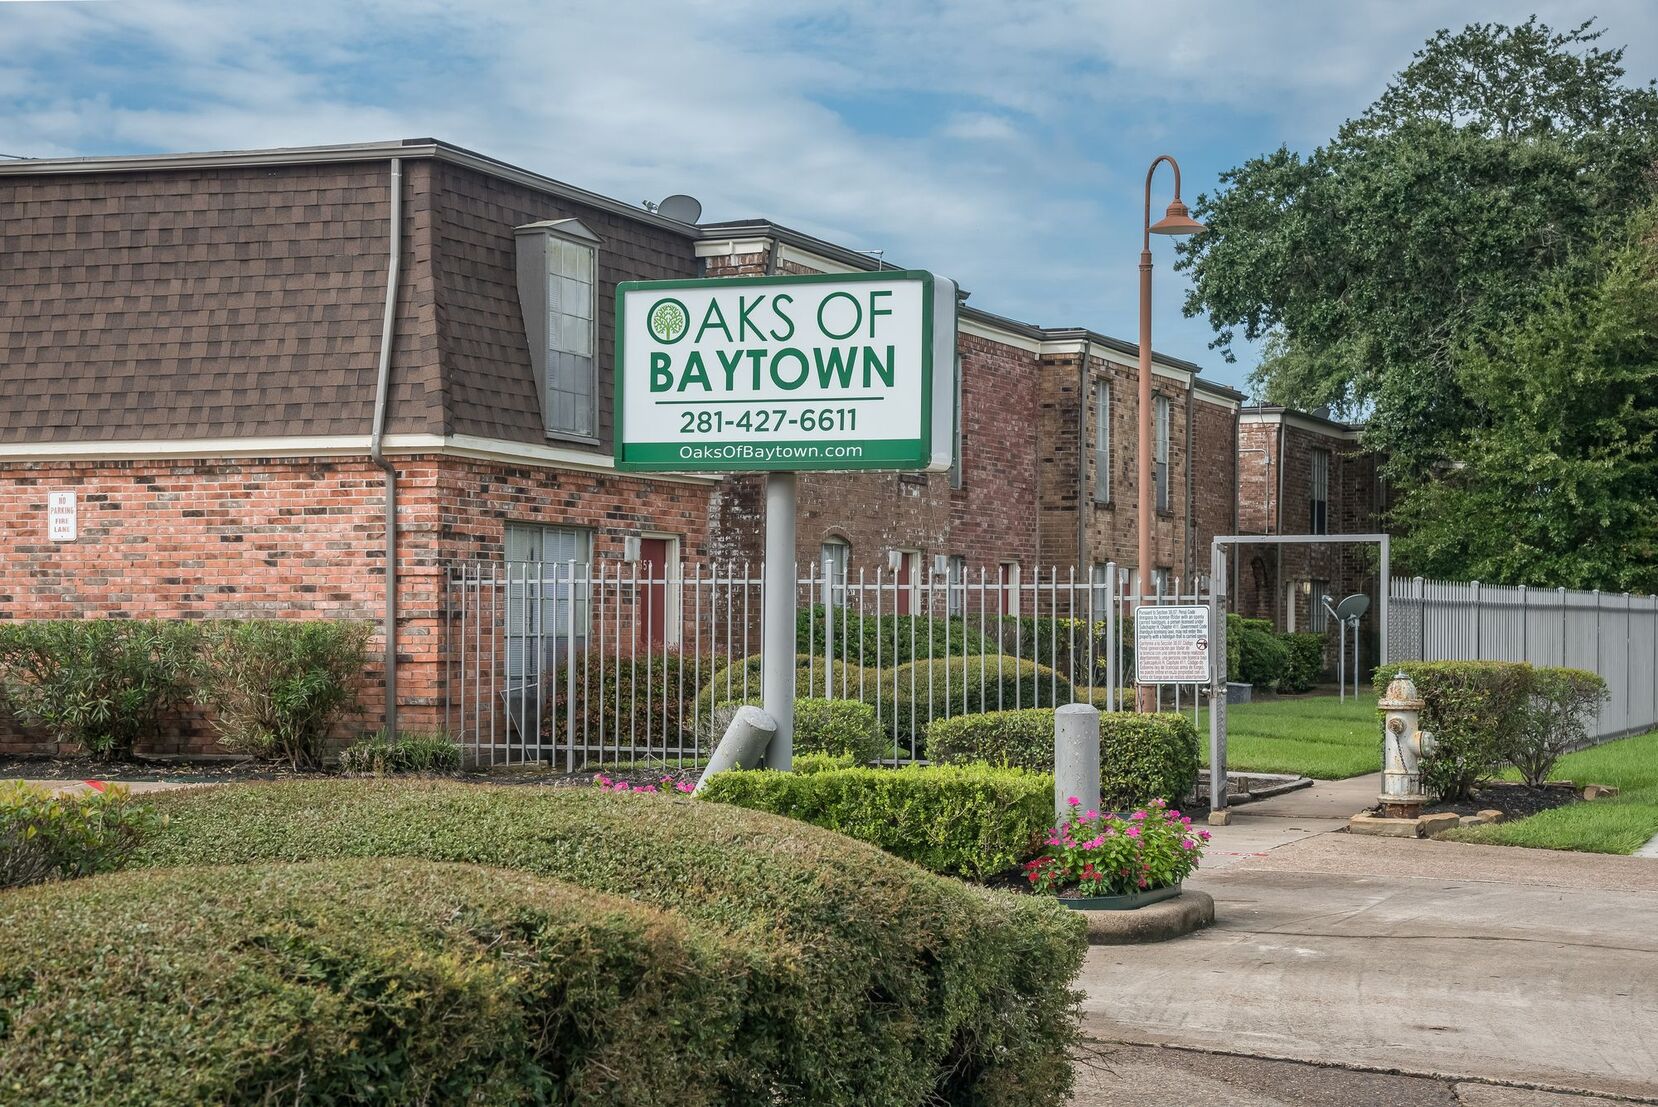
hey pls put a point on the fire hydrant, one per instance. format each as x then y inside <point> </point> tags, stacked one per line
<point>1403,747</point>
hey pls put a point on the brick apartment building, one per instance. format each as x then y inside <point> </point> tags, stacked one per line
<point>193,345</point>
<point>1302,473</point>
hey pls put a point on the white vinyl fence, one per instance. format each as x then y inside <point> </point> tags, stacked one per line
<point>583,663</point>
<point>1613,634</point>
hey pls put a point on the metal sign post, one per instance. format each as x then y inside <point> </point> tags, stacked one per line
<point>777,629</point>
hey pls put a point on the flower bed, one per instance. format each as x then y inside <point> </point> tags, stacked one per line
<point>1095,854</point>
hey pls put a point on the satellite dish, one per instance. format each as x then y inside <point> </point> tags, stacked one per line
<point>685,209</point>
<point>1353,607</point>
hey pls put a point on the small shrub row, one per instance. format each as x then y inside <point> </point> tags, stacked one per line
<point>47,836</point>
<point>407,753</point>
<point>1256,654</point>
<point>274,688</point>
<point>1483,714</point>
<point>1142,757</point>
<point>838,728</point>
<point>863,979</point>
<point>893,639</point>
<point>961,820</point>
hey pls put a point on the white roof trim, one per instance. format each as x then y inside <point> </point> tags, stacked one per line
<point>565,228</point>
<point>1078,345</point>
<point>341,445</point>
<point>731,247</point>
<point>990,333</point>
<point>1300,421</point>
<point>795,255</point>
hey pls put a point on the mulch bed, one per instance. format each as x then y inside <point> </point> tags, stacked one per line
<point>1515,801</point>
<point>184,772</point>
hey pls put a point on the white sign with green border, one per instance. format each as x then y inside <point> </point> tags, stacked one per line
<point>828,371</point>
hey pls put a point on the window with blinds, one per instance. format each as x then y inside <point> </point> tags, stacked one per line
<point>547,595</point>
<point>1319,494</point>
<point>571,381</point>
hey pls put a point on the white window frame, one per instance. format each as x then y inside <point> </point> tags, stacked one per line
<point>1318,619</point>
<point>955,586</point>
<point>1102,441</point>
<point>533,616</point>
<point>1007,588</point>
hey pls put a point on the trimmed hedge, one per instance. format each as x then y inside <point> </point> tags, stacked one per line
<point>649,695</point>
<point>1469,708</point>
<point>1303,662</point>
<point>864,636</point>
<point>101,683</point>
<point>1142,757</point>
<point>967,820</point>
<point>870,981</point>
<point>49,835</point>
<point>360,981</point>
<point>834,727</point>
<point>933,689</point>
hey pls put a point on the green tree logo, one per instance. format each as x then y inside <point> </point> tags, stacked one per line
<point>668,321</point>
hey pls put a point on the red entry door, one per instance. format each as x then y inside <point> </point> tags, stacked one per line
<point>653,592</point>
<point>906,581</point>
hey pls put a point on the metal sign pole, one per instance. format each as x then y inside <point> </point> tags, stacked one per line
<point>1217,680</point>
<point>777,634</point>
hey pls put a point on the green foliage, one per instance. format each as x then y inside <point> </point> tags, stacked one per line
<point>839,728</point>
<point>1470,708</point>
<point>1557,713</point>
<point>1101,854</point>
<point>1142,757</point>
<point>893,639</point>
<point>46,836</point>
<point>961,820</point>
<point>1263,656</point>
<point>1427,224</point>
<point>912,696</point>
<point>1064,644</point>
<point>648,695</point>
<point>823,762</point>
<point>1556,478</point>
<point>102,683</point>
<point>1303,661</point>
<point>867,981</point>
<point>416,752</point>
<point>1621,824</point>
<point>360,981</point>
<point>277,687</point>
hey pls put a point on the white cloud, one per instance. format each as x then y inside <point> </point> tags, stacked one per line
<point>984,139</point>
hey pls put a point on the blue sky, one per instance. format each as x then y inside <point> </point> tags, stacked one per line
<point>1003,144</point>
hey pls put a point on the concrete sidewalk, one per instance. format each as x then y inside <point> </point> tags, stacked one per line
<point>1440,959</point>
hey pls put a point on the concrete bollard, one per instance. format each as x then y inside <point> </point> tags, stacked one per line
<point>743,743</point>
<point>1076,759</point>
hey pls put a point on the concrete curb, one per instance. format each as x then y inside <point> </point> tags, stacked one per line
<point>1157,922</point>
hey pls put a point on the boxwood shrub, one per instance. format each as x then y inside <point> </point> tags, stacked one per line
<point>360,981</point>
<point>963,820</point>
<point>1142,757</point>
<point>870,981</point>
<point>896,638</point>
<point>1303,661</point>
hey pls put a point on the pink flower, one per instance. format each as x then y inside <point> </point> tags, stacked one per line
<point>1074,802</point>
<point>1186,820</point>
<point>1205,835</point>
<point>1133,832</point>
<point>1138,816</point>
<point>1092,815</point>
<point>1187,843</point>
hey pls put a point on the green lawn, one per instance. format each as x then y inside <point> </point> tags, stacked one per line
<point>1317,736</point>
<point>1619,825</point>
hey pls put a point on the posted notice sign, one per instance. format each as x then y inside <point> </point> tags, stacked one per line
<point>831,371</point>
<point>1171,645</point>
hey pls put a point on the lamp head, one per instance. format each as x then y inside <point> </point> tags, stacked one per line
<point>1177,220</point>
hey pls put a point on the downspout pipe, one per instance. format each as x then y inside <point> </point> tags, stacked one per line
<point>377,439</point>
<point>1084,502</point>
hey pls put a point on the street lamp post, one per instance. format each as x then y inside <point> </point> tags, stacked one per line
<point>1176,220</point>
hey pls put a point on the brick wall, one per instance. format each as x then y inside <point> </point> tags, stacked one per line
<point>301,538</point>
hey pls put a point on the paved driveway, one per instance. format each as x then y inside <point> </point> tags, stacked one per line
<point>1507,965</point>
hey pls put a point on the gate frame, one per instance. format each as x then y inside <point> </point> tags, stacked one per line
<point>1218,592</point>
